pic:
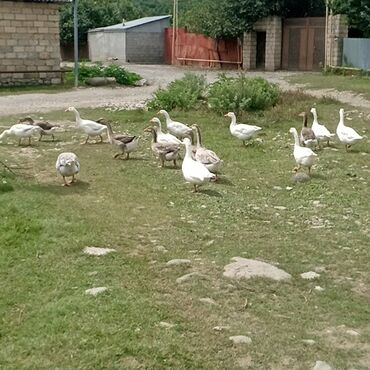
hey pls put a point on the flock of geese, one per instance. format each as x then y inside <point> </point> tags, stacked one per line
<point>199,165</point>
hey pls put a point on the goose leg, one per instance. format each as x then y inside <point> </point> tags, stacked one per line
<point>19,141</point>
<point>52,135</point>
<point>40,138</point>
<point>65,182</point>
<point>174,163</point>
<point>101,138</point>
<point>116,155</point>
<point>29,140</point>
<point>73,179</point>
<point>309,170</point>
<point>87,139</point>
<point>195,188</point>
<point>297,168</point>
<point>127,155</point>
<point>162,162</point>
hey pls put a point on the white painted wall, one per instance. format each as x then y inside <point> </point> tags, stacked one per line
<point>107,45</point>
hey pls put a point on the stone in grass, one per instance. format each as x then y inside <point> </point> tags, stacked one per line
<point>96,291</point>
<point>95,251</point>
<point>240,339</point>
<point>322,365</point>
<point>190,276</point>
<point>141,82</point>
<point>178,261</point>
<point>208,300</point>
<point>310,275</point>
<point>244,268</point>
<point>300,177</point>
<point>166,325</point>
<point>310,342</point>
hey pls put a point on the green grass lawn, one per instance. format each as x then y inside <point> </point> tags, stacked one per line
<point>49,89</point>
<point>47,320</point>
<point>356,84</point>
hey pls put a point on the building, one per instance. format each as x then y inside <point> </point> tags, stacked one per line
<point>29,42</point>
<point>138,41</point>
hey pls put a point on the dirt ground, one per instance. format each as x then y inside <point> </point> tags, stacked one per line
<point>135,97</point>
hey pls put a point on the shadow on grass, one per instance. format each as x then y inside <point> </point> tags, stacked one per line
<point>210,192</point>
<point>224,181</point>
<point>76,188</point>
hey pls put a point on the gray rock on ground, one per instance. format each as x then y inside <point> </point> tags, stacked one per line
<point>322,365</point>
<point>240,339</point>
<point>95,251</point>
<point>244,268</point>
<point>300,177</point>
<point>179,261</point>
<point>96,291</point>
<point>101,81</point>
<point>310,275</point>
<point>190,276</point>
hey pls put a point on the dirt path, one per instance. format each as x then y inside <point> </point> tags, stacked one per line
<point>131,98</point>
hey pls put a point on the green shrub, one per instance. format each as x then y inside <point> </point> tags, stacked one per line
<point>241,94</point>
<point>186,93</point>
<point>5,185</point>
<point>122,76</point>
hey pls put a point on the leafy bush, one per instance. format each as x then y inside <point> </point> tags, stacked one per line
<point>186,93</point>
<point>122,76</point>
<point>241,94</point>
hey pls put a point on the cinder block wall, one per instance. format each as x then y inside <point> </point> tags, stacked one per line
<point>29,43</point>
<point>337,30</point>
<point>273,28</point>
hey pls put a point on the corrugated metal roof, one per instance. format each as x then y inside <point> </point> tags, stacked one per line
<point>131,24</point>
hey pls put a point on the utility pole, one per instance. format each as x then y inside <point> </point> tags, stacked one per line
<point>75,32</point>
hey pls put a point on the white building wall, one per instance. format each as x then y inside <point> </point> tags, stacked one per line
<point>107,45</point>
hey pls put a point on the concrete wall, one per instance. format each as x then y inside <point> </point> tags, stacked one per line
<point>337,31</point>
<point>146,44</point>
<point>356,53</point>
<point>273,28</point>
<point>29,43</point>
<point>107,45</point>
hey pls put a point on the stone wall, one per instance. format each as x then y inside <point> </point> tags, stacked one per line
<point>337,31</point>
<point>29,43</point>
<point>273,28</point>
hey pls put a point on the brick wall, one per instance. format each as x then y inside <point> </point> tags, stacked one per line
<point>273,28</point>
<point>29,43</point>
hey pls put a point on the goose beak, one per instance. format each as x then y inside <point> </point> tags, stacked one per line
<point>147,129</point>
<point>226,115</point>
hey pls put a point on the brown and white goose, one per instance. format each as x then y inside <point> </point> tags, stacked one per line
<point>125,143</point>
<point>164,152</point>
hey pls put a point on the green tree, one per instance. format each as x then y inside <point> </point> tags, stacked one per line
<point>357,11</point>
<point>93,14</point>
<point>230,18</point>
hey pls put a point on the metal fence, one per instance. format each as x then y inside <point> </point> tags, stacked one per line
<point>356,53</point>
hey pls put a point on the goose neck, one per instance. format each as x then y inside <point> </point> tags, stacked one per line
<point>233,120</point>
<point>198,137</point>
<point>341,117</point>
<point>296,139</point>
<point>77,115</point>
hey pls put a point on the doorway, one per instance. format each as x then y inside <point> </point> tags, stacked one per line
<point>261,50</point>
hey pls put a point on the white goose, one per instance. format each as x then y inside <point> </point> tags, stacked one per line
<point>180,130</point>
<point>193,171</point>
<point>68,165</point>
<point>347,135</point>
<point>21,131</point>
<point>91,128</point>
<point>320,131</point>
<point>241,131</point>
<point>163,138</point>
<point>303,156</point>
<point>205,156</point>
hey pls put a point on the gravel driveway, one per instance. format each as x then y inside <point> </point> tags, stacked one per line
<point>135,97</point>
